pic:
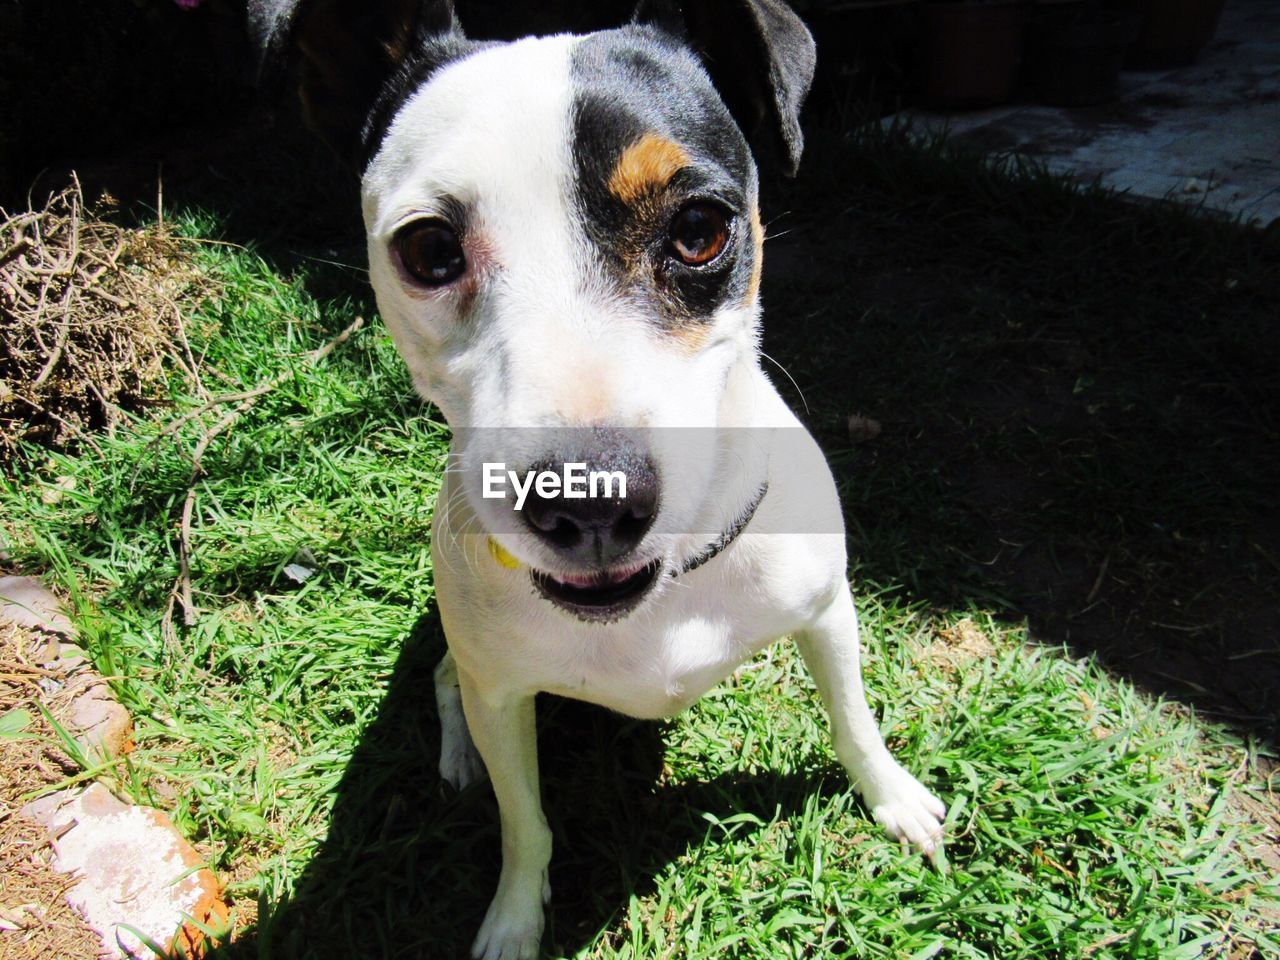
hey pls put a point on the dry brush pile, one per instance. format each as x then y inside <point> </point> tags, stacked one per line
<point>89,321</point>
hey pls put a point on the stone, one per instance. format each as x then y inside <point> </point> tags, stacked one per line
<point>133,872</point>
<point>26,602</point>
<point>79,699</point>
<point>99,724</point>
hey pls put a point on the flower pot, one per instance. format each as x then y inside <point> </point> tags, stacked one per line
<point>1173,31</point>
<point>1075,52</point>
<point>969,51</point>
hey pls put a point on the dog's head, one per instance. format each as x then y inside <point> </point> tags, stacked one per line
<point>564,239</point>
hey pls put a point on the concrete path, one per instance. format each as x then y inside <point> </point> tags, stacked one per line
<point>1205,134</point>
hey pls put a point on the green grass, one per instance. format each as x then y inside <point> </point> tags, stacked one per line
<point>252,711</point>
<point>291,729</point>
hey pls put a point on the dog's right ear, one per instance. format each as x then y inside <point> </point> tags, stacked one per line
<point>760,56</point>
<point>344,51</point>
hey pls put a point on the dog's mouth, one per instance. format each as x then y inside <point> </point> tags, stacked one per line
<point>602,597</point>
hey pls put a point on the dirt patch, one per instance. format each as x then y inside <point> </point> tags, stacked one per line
<point>1265,811</point>
<point>90,317</point>
<point>966,639</point>
<point>35,920</point>
<point>957,646</point>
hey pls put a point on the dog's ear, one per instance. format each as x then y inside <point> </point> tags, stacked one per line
<point>344,51</point>
<point>760,56</point>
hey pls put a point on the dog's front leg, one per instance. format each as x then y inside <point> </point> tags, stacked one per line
<point>504,732</point>
<point>897,800</point>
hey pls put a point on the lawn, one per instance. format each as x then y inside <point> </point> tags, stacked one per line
<point>1063,546</point>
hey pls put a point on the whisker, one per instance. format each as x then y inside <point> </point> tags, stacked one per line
<point>789,377</point>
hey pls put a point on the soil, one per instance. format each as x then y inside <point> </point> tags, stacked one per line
<point>35,921</point>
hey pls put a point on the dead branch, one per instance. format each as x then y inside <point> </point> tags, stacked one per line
<point>181,593</point>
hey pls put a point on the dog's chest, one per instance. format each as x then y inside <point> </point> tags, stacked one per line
<point>658,675</point>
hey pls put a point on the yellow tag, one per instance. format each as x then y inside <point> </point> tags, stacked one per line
<point>501,555</point>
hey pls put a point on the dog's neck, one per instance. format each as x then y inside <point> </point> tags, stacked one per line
<point>730,534</point>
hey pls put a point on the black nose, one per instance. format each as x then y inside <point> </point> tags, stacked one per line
<point>587,519</point>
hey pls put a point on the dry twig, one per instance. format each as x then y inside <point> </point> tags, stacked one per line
<point>181,594</point>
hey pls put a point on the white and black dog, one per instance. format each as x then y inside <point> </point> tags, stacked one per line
<point>565,244</point>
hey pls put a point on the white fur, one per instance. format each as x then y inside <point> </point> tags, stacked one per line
<point>544,331</point>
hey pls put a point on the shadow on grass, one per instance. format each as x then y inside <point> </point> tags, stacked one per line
<point>1078,400</point>
<point>409,866</point>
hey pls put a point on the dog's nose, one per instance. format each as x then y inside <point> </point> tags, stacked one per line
<point>586,518</point>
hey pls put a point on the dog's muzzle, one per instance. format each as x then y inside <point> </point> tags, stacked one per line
<point>595,532</point>
<point>597,535</point>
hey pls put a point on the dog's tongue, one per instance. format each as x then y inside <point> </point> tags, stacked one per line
<point>606,578</point>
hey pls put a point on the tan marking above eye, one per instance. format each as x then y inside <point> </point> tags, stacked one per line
<point>645,166</point>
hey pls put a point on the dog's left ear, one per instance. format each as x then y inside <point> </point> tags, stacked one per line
<point>345,51</point>
<point>760,56</point>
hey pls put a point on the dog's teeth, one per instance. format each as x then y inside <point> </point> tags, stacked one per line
<point>577,580</point>
<point>617,576</point>
<point>606,579</point>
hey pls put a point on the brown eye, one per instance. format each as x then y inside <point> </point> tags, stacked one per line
<point>698,233</point>
<point>430,252</point>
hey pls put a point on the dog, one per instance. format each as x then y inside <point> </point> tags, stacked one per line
<point>565,242</point>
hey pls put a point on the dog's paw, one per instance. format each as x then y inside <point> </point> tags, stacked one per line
<point>901,804</point>
<point>512,929</point>
<point>460,763</point>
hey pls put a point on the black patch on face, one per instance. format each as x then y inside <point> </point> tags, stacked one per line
<point>428,56</point>
<point>636,81</point>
